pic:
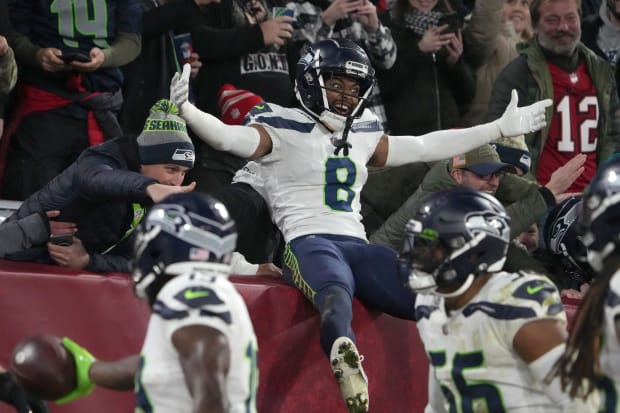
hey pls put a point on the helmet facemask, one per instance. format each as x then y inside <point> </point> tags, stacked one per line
<point>456,236</point>
<point>452,263</point>
<point>322,61</point>
<point>330,116</point>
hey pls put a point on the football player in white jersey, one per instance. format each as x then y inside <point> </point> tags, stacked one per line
<point>492,337</point>
<point>312,163</point>
<point>200,350</point>
<point>592,357</point>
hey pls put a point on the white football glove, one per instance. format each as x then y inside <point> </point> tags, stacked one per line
<point>179,87</point>
<point>516,121</point>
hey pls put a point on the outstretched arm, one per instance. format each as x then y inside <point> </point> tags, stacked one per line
<point>89,372</point>
<point>115,375</point>
<point>433,146</point>
<point>244,141</point>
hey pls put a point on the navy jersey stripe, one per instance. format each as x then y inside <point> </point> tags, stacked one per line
<point>168,313</point>
<point>613,299</point>
<point>282,123</point>
<point>499,311</point>
<point>424,311</point>
<point>224,315</point>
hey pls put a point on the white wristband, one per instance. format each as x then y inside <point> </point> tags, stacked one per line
<point>238,140</point>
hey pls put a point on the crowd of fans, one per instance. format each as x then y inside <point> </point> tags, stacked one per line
<point>439,64</point>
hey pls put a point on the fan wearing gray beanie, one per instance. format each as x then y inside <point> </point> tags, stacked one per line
<point>164,138</point>
<point>106,192</point>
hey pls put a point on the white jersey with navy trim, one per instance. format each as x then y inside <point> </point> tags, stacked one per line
<point>471,352</point>
<point>309,189</point>
<point>610,350</point>
<point>197,298</point>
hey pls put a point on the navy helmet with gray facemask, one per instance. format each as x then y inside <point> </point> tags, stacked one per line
<point>326,58</point>
<point>184,232</point>
<point>454,236</point>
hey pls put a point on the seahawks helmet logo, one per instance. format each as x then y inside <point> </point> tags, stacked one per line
<point>490,223</point>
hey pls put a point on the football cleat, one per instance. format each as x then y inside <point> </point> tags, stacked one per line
<point>346,364</point>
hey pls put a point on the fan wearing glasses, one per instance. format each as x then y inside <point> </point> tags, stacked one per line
<point>482,169</point>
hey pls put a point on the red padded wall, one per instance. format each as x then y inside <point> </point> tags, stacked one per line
<point>102,314</point>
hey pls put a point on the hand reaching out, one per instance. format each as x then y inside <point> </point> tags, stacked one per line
<point>517,121</point>
<point>157,192</point>
<point>563,177</point>
<point>179,86</point>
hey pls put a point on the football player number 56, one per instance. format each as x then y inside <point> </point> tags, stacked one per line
<point>468,393</point>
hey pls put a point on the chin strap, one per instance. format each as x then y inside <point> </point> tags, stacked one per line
<point>342,143</point>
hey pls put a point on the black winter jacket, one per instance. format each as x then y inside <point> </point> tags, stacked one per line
<point>97,192</point>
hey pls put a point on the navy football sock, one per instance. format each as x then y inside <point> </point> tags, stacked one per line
<point>336,308</point>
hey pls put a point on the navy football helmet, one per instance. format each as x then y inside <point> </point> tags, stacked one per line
<point>184,232</point>
<point>563,240</point>
<point>327,58</point>
<point>600,216</point>
<point>454,236</point>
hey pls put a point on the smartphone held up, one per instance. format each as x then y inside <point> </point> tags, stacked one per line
<point>452,20</point>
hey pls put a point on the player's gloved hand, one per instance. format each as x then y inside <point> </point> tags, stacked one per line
<point>179,87</point>
<point>12,394</point>
<point>83,361</point>
<point>516,121</point>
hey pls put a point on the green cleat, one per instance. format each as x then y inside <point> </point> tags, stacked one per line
<point>347,367</point>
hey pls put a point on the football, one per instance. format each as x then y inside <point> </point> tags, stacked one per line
<point>43,367</point>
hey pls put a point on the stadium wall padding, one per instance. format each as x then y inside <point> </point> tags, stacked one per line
<point>102,314</point>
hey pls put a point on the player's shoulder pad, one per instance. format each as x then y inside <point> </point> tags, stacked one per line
<point>279,117</point>
<point>183,294</point>
<point>262,107</point>
<point>536,290</point>
<point>514,296</point>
